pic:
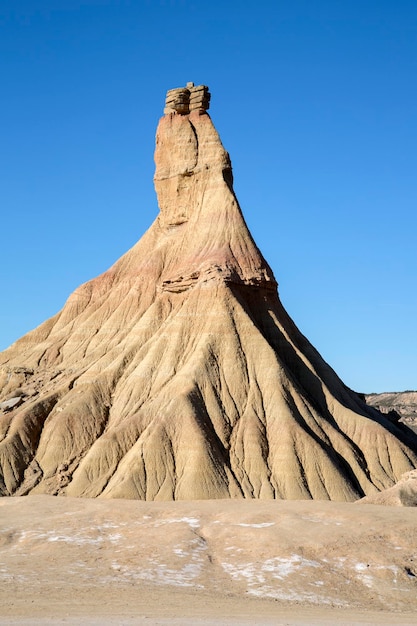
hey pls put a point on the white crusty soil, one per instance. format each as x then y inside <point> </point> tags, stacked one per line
<point>84,561</point>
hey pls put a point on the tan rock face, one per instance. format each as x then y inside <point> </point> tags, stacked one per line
<point>177,374</point>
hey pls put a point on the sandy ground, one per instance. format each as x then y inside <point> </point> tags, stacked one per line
<point>222,562</point>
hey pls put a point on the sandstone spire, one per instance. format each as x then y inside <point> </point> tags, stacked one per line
<point>177,374</point>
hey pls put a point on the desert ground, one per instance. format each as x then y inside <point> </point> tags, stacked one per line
<point>108,561</point>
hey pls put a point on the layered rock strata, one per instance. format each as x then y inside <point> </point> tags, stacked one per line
<point>184,100</point>
<point>177,374</point>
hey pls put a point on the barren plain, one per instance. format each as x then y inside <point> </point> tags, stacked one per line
<point>102,561</point>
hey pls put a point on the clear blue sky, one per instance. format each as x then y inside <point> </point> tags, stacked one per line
<point>316,103</point>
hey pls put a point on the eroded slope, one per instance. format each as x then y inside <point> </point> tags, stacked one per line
<point>177,374</point>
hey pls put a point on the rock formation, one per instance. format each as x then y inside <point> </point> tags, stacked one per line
<point>184,100</point>
<point>177,374</point>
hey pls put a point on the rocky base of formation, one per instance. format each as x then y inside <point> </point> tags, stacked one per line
<point>403,493</point>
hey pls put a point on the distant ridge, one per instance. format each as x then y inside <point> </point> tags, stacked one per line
<point>401,403</point>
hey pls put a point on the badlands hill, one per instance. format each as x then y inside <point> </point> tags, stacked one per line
<point>177,374</point>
